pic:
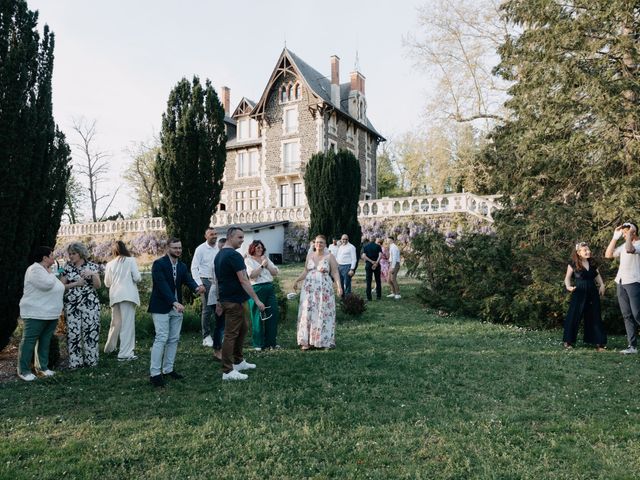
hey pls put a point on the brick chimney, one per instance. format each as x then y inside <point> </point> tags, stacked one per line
<point>335,80</point>
<point>225,96</point>
<point>357,82</point>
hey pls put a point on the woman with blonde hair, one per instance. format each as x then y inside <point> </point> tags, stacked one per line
<point>121,276</point>
<point>585,299</point>
<point>82,307</point>
<point>317,310</point>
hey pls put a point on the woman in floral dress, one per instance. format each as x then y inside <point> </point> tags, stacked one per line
<point>317,311</point>
<point>82,307</point>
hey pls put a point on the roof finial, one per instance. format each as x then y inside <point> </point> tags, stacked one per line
<point>285,41</point>
<point>357,63</point>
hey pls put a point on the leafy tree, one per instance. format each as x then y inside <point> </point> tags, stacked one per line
<point>387,178</point>
<point>140,176</point>
<point>34,156</point>
<point>191,161</point>
<point>332,185</point>
<point>566,161</point>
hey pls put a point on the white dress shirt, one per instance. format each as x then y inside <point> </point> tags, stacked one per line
<point>347,255</point>
<point>213,291</point>
<point>394,255</point>
<point>121,275</point>
<point>629,270</point>
<point>333,249</point>
<point>202,262</point>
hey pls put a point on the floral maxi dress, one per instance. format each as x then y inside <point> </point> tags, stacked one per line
<point>82,309</point>
<point>317,311</point>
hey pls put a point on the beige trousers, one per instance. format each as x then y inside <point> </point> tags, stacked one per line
<point>123,325</point>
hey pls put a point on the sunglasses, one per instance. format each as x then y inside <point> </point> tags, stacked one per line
<point>264,315</point>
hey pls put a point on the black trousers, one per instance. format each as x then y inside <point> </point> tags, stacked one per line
<point>369,272</point>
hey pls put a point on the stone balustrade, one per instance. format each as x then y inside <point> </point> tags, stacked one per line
<point>476,205</point>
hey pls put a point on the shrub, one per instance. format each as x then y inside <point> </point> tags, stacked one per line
<point>484,276</point>
<point>353,304</point>
<point>281,297</point>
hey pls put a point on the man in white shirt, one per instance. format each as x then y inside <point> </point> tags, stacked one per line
<point>201,268</point>
<point>333,248</point>
<point>346,259</point>
<point>628,280</point>
<point>394,267</point>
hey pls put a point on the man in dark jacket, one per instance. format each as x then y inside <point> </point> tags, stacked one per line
<point>168,274</point>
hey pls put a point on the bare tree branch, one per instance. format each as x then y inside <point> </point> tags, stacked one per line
<point>92,164</point>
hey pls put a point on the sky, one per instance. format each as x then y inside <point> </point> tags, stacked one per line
<point>116,61</point>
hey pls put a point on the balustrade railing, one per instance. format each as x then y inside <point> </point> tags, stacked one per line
<point>477,205</point>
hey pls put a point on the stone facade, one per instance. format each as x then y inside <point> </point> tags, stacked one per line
<point>299,114</point>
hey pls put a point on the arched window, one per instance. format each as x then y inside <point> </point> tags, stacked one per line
<point>283,94</point>
<point>297,91</point>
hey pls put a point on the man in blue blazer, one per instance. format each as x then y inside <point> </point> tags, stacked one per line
<point>168,274</point>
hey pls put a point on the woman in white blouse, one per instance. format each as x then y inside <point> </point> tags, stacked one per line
<point>120,276</point>
<point>261,271</point>
<point>40,309</point>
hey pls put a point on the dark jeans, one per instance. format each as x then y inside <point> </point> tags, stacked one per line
<point>369,272</point>
<point>629,300</point>
<point>235,329</point>
<point>218,330</point>
<point>345,279</point>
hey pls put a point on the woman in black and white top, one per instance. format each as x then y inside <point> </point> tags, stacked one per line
<point>261,271</point>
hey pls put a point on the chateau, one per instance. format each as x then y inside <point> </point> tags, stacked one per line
<point>301,112</point>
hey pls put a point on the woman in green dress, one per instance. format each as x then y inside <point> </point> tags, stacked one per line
<point>261,271</point>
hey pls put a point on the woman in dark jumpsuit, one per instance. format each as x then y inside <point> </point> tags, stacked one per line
<point>585,299</point>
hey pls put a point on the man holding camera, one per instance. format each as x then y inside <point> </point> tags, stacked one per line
<point>628,280</point>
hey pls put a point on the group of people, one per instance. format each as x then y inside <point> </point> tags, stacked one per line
<point>72,288</point>
<point>586,285</point>
<point>232,288</point>
<point>382,263</point>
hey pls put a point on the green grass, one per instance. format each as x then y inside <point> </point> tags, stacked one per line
<point>406,394</point>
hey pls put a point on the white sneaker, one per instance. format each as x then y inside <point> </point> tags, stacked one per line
<point>629,350</point>
<point>397,297</point>
<point>207,341</point>
<point>391,295</point>
<point>244,365</point>
<point>234,375</point>
<point>258,349</point>
<point>29,377</point>
<point>47,373</point>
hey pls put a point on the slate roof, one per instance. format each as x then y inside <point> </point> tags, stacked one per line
<point>321,85</point>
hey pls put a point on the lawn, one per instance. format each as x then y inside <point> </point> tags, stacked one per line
<point>406,394</point>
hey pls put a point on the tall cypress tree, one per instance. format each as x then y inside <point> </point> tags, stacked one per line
<point>34,157</point>
<point>332,186</point>
<point>566,161</point>
<point>191,161</point>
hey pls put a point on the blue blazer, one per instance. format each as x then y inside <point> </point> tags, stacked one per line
<point>163,293</point>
